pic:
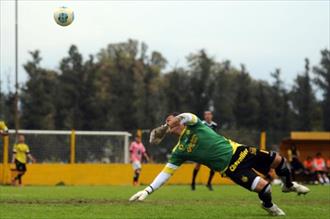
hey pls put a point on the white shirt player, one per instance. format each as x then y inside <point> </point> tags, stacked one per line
<point>212,125</point>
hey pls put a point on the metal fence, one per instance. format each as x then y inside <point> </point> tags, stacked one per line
<point>74,146</point>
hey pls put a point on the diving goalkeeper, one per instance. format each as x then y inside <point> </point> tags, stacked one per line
<point>201,144</point>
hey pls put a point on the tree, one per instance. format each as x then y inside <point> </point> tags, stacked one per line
<point>7,104</point>
<point>280,118</point>
<point>152,108</point>
<point>38,95</point>
<point>201,81</point>
<point>322,79</point>
<point>224,93</point>
<point>264,106</point>
<point>303,100</point>
<point>132,80</point>
<point>71,91</point>
<point>125,87</point>
<point>245,105</point>
<point>176,87</point>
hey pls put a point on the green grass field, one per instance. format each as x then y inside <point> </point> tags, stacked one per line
<point>94,202</point>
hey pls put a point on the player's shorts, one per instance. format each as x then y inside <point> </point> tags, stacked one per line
<point>245,164</point>
<point>136,165</point>
<point>20,166</point>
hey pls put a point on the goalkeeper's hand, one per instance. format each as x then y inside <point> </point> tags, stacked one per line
<point>139,196</point>
<point>158,134</point>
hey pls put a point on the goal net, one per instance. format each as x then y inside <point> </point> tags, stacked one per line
<point>51,146</point>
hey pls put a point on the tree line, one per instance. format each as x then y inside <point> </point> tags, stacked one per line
<point>125,87</point>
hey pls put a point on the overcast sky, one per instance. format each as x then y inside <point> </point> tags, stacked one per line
<point>262,35</point>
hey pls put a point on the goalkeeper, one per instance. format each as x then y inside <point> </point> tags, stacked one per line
<point>200,144</point>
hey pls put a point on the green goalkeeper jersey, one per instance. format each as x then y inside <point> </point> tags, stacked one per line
<point>201,144</point>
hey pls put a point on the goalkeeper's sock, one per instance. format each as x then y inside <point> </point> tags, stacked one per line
<point>284,172</point>
<point>265,196</point>
<point>210,177</point>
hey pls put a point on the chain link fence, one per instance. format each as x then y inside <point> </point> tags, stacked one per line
<point>88,147</point>
<point>100,149</point>
<point>46,148</point>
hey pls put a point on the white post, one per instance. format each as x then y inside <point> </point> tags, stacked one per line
<point>126,148</point>
<point>16,70</point>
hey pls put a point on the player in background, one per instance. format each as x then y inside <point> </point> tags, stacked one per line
<point>137,152</point>
<point>320,168</point>
<point>3,128</point>
<point>21,152</point>
<point>328,164</point>
<point>297,168</point>
<point>208,120</point>
<point>200,144</point>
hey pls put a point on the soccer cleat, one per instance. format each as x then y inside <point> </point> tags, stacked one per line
<point>13,182</point>
<point>193,187</point>
<point>274,210</point>
<point>209,186</point>
<point>298,188</point>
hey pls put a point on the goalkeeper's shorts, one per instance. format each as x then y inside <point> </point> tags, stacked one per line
<point>136,165</point>
<point>247,163</point>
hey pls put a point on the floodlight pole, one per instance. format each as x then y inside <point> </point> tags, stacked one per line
<point>16,69</point>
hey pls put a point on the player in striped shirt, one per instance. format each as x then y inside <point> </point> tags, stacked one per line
<point>137,152</point>
<point>200,144</point>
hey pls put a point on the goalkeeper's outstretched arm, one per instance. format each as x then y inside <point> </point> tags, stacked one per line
<point>187,118</point>
<point>182,119</point>
<point>162,178</point>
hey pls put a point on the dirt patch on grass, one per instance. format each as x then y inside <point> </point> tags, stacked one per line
<point>65,202</point>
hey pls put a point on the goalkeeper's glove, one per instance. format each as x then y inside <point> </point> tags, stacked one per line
<point>141,195</point>
<point>158,134</point>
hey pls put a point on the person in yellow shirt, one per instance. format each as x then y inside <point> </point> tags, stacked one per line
<point>3,128</point>
<point>21,153</point>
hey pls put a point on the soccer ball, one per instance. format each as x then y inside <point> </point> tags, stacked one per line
<point>63,16</point>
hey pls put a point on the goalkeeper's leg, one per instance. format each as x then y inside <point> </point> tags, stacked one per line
<point>263,188</point>
<point>283,170</point>
<point>264,161</point>
<point>249,179</point>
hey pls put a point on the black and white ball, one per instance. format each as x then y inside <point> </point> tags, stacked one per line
<point>63,16</point>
